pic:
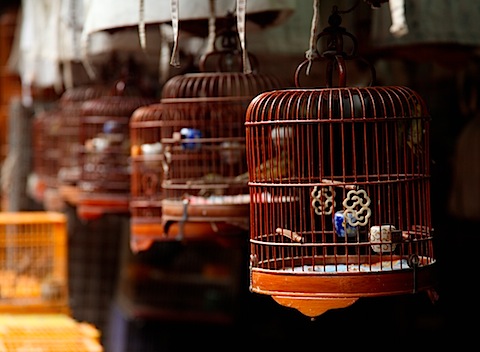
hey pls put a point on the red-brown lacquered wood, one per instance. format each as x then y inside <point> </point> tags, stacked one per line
<point>143,232</point>
<point>313,307</point>
<point>236,212</point>
<point>313,293</point>
<point>198,231</point>
<point>92,207</point>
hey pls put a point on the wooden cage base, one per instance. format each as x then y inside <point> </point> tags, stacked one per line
<point>186,221</point>
<point>143,232</point>
<point>93,206</point>
<point>313,293</point>
<point>313,307</point>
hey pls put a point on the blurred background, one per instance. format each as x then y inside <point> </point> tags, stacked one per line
<point>147,294</point>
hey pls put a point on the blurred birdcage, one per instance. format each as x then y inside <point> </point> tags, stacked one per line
<point>203,139</point>
<point>340,194</point>
<point>46,131</point>
<point>70,104</point>
<point>33,262</point>
<point>146,180</point>
<point>104,183</point>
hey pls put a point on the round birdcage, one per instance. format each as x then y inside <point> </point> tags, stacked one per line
<point>46,129</point>
<point>104,184</point>
<point>146,193</point>
<point>203,137</point>
<point>70,104</point>
<point>340,193</point>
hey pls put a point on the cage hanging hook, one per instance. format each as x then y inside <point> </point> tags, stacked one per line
<point>334,52</point>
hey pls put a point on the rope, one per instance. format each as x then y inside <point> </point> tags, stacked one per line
<point>84,43</point>
<point>67,71</point>
<point>399,26</point>
<point>211,28</point>
<point>241,9</point>
<point>141,25</point>
<point>163,62</point>
<point>312,53</point>
<point>175,58</point>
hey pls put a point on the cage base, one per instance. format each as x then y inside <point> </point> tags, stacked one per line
<point>202,231</point>
<point>144,232</point>
<point>313,293</point>
<point>69,193</point>
<point>313,307</point>
<point>187,221</point>
<point>229,212</point>
<point>94,206</point>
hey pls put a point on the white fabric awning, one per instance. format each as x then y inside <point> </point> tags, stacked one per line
<point>112,14</point>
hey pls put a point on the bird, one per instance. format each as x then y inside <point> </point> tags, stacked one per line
<point>277,167</point>
<point>280,135</point>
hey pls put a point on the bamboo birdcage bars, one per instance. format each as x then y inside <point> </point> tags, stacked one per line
<point>340,194</point>
<point>203,137</point>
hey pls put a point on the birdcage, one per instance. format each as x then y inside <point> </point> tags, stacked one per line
<point>70,104</point>
<point>104,183</point>
<point>203,137</point>
<point>33,262</point>
<point>46,151</point>
<point>146,180</point>
<point>339,186</point>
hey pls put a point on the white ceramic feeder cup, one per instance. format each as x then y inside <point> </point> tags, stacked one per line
<point>381,237</point>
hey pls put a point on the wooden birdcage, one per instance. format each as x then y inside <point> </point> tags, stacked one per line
<point>203,137</point>
<point>46,132</point>
<point>70,104</point>
<point>339,186</point>
<point>146,193</point>
<point>104,183</point>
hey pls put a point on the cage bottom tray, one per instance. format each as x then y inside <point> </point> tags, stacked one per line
<point>93,206</point>
<point>315,289</point>
<point>144,231</point>
<point>197,220</point>
<point>69,193</point>
<point>205,209</point>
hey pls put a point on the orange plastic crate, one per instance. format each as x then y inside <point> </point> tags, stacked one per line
<point>33,262</point>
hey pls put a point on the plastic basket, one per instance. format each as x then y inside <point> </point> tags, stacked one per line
<point>33,262</point>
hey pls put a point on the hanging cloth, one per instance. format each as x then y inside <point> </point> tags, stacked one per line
<point>36,56</point>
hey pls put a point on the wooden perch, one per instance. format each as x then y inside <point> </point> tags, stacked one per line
<point>338,184</point>
<point>290,234</point>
